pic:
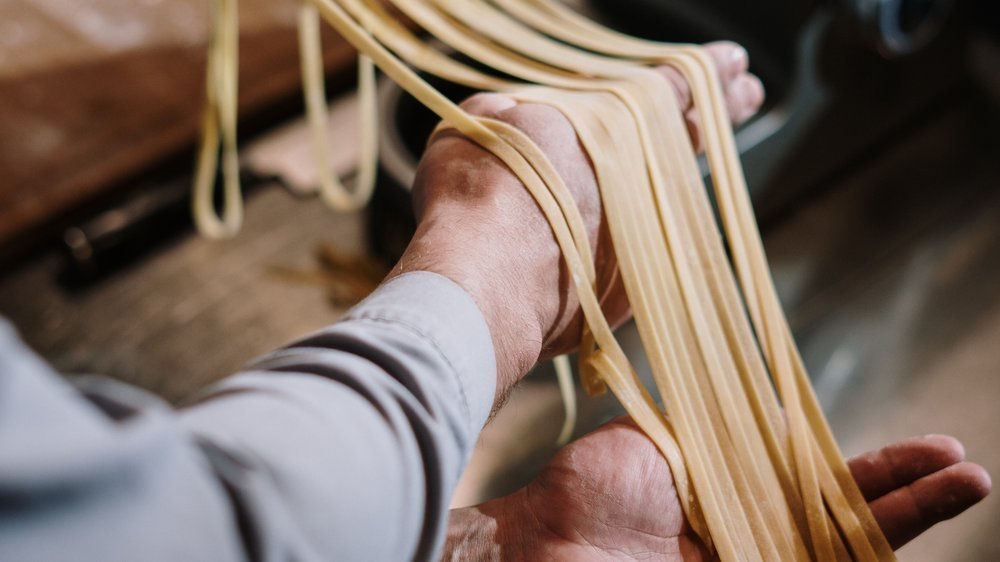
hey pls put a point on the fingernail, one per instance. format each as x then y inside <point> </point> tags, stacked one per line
<point>738,54</point>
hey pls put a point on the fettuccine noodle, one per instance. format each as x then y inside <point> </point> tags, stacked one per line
<point>757,469</point>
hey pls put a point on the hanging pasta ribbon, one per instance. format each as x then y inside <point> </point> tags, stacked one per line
<point>332,191</point>
<point>758,472</point>
<point>219,127</point>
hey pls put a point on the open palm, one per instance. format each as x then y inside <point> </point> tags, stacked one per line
<point>610,496</point>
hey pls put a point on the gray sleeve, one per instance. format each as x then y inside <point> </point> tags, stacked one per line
<point>343,446</point>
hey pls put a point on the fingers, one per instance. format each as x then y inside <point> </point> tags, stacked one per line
<point>880,472</point>
<point>731,59</point>
<point>484,104</point>
<point>487,104</point>
<point>554,134</point>
<point>731,62</point>
<point>917,483</point>
<point>744,96</point>
<point>744,92</point>
<point>909,511</point>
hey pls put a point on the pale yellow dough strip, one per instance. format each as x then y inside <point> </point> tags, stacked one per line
<point>333,192</point>
<point>219,125</point>
<point>412,13</point>
<point>604,44</point>
<point>678,278</point>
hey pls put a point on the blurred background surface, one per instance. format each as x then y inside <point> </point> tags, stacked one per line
<point>875,171</point>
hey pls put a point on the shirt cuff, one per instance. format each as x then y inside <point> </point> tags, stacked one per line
<point>440,311</point>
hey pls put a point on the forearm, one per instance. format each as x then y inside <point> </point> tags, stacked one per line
<point>345,445</point>
<point>514,327</point>
<point>109,478</point>
<point>349,442</point>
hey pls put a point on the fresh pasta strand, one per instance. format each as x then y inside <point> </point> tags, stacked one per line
<point>332,191</point>
<point>758,472</point>
<point>564,374</point>
<point>219,126</point>
<point>722,155</point>
<point>561,22</point>
<point>804,448</point>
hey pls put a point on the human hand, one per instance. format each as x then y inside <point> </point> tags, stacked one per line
<point>479,226</point>
<point>610,496</point>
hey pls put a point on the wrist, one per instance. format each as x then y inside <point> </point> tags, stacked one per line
<point>513,276</point>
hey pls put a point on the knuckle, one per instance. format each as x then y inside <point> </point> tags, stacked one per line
<point>538,121</point>
<point>487,103</point>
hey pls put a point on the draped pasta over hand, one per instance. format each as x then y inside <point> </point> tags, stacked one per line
<point>757,469</point>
